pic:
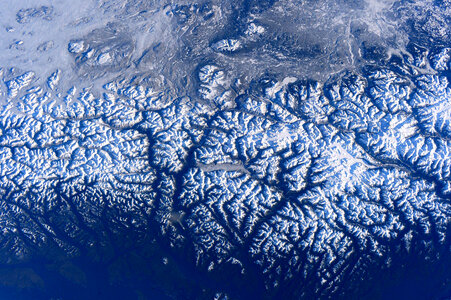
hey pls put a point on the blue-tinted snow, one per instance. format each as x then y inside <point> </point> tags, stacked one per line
<point>222,150</point>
